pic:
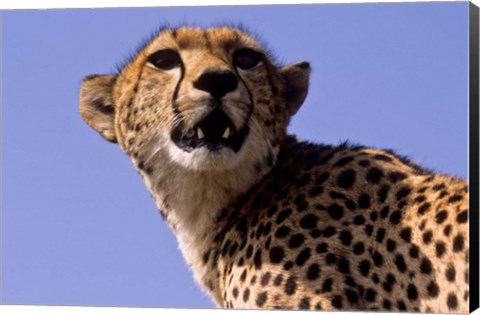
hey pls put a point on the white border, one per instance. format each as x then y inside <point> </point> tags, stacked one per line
<point>30,4</point>
<point>76,310</point>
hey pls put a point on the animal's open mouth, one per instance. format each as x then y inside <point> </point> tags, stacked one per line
<point>214,131</point>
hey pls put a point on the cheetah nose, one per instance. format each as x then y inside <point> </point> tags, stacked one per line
<point>217,83</point>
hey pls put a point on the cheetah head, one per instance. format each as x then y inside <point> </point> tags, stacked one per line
<point>205,99</point>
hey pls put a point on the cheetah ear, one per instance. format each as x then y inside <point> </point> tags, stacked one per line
<point>296,79</point>
<point>96,104</point>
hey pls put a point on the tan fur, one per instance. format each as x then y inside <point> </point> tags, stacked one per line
<point>281,223</point>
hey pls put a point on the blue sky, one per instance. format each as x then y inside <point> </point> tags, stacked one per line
<point>78,226</point>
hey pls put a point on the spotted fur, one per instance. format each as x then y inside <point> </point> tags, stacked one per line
<point>265,220</point>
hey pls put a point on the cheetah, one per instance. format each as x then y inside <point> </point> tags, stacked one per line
<point>262,219</point>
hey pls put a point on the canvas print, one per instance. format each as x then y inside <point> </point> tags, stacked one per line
<point>304,157</point>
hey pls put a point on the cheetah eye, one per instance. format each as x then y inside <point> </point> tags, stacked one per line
<point>165,59</point>
<point>246,58</point>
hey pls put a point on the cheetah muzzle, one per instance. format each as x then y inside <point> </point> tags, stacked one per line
<point>214,132</point>
<point>265,220</point>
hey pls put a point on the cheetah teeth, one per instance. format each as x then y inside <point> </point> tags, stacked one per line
<point>200,133</point>
<point>226,134</point>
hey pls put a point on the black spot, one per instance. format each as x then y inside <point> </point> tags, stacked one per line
<point>403,192</point>
<point>266,230</point>
<point>303,180</point>
<point>391,245</point>
<point>458,243</point>
<point>395,217</point>
<point>246,295</point>
<point>374,175</point>
<point>299,199</point>
<point>447,230</point>
<point>380,235</point>
<point>383,193</point>
<point>296,240</point>
<point>396,176</point>
<point>369,229</point>
<point>364,201</point>
<point>278,280</point>
<point>329,231</point>
<point>426,266</point>
<point>313,272</point>
<point>257,260</point>
<point>343,161</point>
<point>243,275</point>
<point>370,295</point>
<point>327,285</point>
<point>433,289</point>
<point>330,259</point>
<point>387,304</point>
<point>375,278</point>
<point>364,163</point>
<point>290,286</point>
<point>346,179</point>
<point>390,278</point>
<point>282,232</point>
<point>335,211</point>
<point>406,234</point>
<point>352,296</point>
<point>364,267</point>
<point>241,225</point>
<point>427,237</point>
<point>358,248</point>
<point>322,178</point>
<point>315,233</point>
<point>309,221</point>
<point>412,292</point>
<point>235,292</point>
<point>377,259</point>
<point>345,237</point>
<point>382,157</point>
<point>450,273</point>
<point>400,263</point>
<point>288,265</point>
<point>438,187</point>
<point>283,215</point>
<point>440,249</point>
<point>261,299</point>
<point>452,302</point>
<point>373,216</point>
<point>249,252</point>
<point>304,303</point>
<point>337,301</point>
<point>315,191</point>
<point>343,265</point>
<point>413,252</point>
<point>359,220</point>
<point>265,278</point>
<point>387,287</point>
<point>303,256</point>
<point>441,216</point>
<point>276,254</point>
<point>350,204</point>
<point>455,198</point>
<point>419,199</point>
<point>424,208</point>
<point>384,212</point>
<point>272,210</point>
<point>401,305</point>
<point>350,282</point>
<point>462,217</point>
<point>322,248</point>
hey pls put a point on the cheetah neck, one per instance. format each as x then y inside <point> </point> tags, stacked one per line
<point>191,201</point>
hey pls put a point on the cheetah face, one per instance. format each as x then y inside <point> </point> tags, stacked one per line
<point>203,99</point>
